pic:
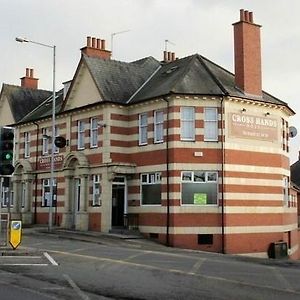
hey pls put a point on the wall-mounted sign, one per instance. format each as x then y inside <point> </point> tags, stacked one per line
<point>200,198</point>
<point>44,163</point>
<point>253,127</point>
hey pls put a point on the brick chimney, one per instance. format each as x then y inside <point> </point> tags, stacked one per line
<point>96,48</point>
<point>28,81</point>
<point>247,54</point>
<point>169,56</point>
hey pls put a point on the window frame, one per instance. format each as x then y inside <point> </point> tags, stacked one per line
<point>56,134</point>
<point>93,132</point>
<point>152,178</point>
<point>143,129</point>
<point>45,202</point>
<point>45,141</point>
<point>158,126</point>
<point>208,122</point>
<point>27,144</point>
<point>80,135</point>
<point>184,122</point>
<point>96,181</point>
<point>207,181</point>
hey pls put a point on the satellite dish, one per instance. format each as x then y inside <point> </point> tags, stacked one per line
<point>292,131</point>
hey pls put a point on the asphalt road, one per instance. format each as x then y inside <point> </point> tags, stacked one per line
<point>57,267</point>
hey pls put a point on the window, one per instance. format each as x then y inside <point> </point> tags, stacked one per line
<point>45,141</point>
<point>27,144</point>
<point>7,197</point>
<point>94,133</point>
<point>285,191</point>
<point>46,192</point>
<point>23,194</point>
<point>151,188</point>
<point>158,126</point>
<point>80,142</point>
<point>96,190</point>
<point>187,123</point>
<point>56,134</point>
<point>199,187</point>
<point>143,129</point>
<point>210,124</point>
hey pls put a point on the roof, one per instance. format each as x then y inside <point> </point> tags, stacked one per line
<point>197,75</point>
<point>45,108</point>
<point>295,173</point>
<point>117,81</point>
<point>23,100</point>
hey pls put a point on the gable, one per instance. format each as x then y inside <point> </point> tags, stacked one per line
<point>83,90</point>
<point>6,116</point>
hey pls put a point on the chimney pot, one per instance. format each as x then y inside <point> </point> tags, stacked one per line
<point>88,41</point>
<point>27,72</point>
<point>173,56</point>
<point>103,44</point>
<point>169,56</point>
<point>246,15</point>
<point>251,17</point>
<point>98,44</point>
<point>31,73</point>
<point>93,42</point>
<point>242,15</point>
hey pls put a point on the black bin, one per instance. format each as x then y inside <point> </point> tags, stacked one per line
<point>278,250</point>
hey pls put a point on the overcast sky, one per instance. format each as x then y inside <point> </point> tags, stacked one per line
<point>193,26</point>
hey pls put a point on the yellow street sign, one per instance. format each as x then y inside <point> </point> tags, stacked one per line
<point>15,233</point>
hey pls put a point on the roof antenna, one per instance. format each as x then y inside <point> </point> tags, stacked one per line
<point>112,39</point>
<point>166,44</point>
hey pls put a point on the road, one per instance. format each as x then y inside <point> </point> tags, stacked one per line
<point>54,267</point>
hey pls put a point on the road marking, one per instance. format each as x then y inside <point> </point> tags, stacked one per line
<point>282,279</point>
<point>123,262</point>
<point>197,266</point>
<point>75,287</point>
<point>33,265</point>
<point>52,261</point>
<point>133,256</point>
<point>17,256</point>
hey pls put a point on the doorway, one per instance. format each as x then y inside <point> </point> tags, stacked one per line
<point>76,201</point>
<point>118,202</point>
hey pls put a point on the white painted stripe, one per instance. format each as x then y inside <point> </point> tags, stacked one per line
<point>253,196</point>
<point>256,169</point>
<point>76,288</point>
<point>52,261</point>
<point>252,181</point>
<point>16,264</point>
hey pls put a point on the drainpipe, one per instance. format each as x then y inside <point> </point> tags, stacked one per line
<point>223,173</point>
<point>36,173</point>
<point>168,181</point>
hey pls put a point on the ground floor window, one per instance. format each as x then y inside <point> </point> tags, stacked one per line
<point>7,197</point>
<point>151,188</point>
<point>199,187</point>
<point>46,192</point>
<point>96,190</point>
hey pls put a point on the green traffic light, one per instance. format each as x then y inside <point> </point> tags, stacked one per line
<point>8,156</point>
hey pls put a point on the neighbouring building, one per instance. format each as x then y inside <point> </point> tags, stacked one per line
<point>180,149</point>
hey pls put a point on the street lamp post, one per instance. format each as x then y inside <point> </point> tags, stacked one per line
<point>24,40</point>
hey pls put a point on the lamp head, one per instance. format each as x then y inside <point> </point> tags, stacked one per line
<point>22,40</point>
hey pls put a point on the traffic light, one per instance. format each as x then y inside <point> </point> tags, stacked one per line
<point>6,150</point>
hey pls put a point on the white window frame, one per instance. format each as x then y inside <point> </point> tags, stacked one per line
<point>211,124</point>
<point>158,126</point>
<point>26,144</point>
<point>46,185</point>
<point>96,190</point>
<point>187,123</point>
<point>191,178</point>
<point>143,129</point>
<point>81,135</point>
<point>23,194</point>
<point>94,133</point>
<point>285,191</point>
<point>150,179</point>
<point>45,141</point>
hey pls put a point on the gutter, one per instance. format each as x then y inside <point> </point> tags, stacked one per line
<point>36,173</point>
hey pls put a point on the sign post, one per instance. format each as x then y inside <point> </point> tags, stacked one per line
<point>15,231</point>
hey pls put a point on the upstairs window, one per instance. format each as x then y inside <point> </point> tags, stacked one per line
<point>56,134</point>
<point>158,126</point>
<point>143,129</point>
<point>27,144</point>
<point>94,133</point>
<point>187,123</point>
<point>210,124</point>
<point>45,141</point>
<point>80,130</point>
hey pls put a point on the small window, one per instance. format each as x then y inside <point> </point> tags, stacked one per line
<point>56,134</point>
<point>27,144</point>
<point>285,191</point>
<point>80,142</point>
<point>158,126</point>
<point>143,129</point>
<point>205,239</point>
<point>94,133</point>
<point>187,123</point>
<point>96,190</point>
<point>45,141</point>
<point>210,124</point>
<point>46,197</point>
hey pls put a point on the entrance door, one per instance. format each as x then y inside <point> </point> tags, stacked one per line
<point>118,193</point>
<point>76,200</point>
